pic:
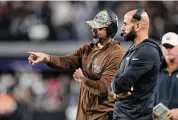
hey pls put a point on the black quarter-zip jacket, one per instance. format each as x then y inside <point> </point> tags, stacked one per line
<point>138,69</point>
<point>167,87</point>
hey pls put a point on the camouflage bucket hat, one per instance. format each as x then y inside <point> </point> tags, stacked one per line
<point>102,19</point>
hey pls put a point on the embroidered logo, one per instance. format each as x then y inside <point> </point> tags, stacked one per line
<point>177,76</point>
<point>135,59</point>
<point>127,59</point>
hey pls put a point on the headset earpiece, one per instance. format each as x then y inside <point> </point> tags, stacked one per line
<point>113,27</point>
<point>138,14</point>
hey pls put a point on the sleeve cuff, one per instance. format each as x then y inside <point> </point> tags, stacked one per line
<point>50,59</point>
<point>84,80</point>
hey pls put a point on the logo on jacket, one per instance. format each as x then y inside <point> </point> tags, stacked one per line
<point>135,59</point>
<point>177,76</point>
<point>98,69</point>
<point>127,58</point>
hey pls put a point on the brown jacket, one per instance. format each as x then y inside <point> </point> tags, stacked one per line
<point>99,66</point>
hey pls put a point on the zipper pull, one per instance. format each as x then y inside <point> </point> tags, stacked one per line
<point>169,74</point>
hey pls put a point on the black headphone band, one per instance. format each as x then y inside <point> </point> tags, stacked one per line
<point>110,15</point>
<point>138,14</point>
<point>112,28</point>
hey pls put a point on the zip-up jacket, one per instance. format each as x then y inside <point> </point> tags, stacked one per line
<point>99,66</point>
<point>139,69</point>
<point>167,87</point>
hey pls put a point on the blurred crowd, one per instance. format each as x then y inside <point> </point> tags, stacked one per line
<point>44,92</point>
<point>65,20</point>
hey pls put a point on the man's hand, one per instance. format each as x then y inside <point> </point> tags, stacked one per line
<point>173,114</point>
<point>78,75</point>
<point>155,114</point>
<point>36,57</point>
<point>123,95</point>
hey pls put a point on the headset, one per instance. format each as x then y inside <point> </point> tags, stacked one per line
<point>113,27</point>
<point>138,14</point>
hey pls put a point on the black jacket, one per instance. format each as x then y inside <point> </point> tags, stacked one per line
<point>139,69</point>
<point>167,87</point>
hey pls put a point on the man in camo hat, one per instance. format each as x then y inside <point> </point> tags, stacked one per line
<point>105,19</point>
<point>95,64</point>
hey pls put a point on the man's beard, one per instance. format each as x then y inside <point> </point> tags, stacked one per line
<point>131,35</point>
<point>172,59</point>
<point>96,38</point>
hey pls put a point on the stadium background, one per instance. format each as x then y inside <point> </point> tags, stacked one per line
<point>58,28</point>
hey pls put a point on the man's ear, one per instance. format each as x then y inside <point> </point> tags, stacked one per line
<point>138,26</point>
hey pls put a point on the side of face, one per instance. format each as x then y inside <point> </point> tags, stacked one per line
<point>128,29</point>
<point>127,25</point>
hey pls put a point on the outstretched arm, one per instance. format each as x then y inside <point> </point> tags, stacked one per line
<point>71,61</point>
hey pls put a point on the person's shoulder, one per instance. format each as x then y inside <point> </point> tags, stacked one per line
<point>116,49</point>
<point>148,46</point>
<point>115,42</point>
<point>147,53</point>
<point>145,50</point>
<point>116,45</point>
<point>151,44</point>
<point>87,46</point>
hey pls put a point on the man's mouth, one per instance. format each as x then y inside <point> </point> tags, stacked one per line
<point>171,58</point>
<point>95,35</point>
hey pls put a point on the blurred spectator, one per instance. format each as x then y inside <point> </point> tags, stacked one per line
<point>6,82</point>
<point>30,95</point>
<point>167,82</point>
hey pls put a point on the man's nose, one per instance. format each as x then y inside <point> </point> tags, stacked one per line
<point>94,30</point>
<point>123,28</point>
<point>169,49</point>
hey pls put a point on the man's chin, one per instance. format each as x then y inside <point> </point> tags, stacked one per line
<point>95,40</point>
<point>128,38</point>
